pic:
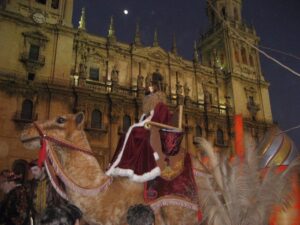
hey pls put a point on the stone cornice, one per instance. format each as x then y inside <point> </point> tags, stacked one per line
<point>247,80</point>
<point>28,21</point>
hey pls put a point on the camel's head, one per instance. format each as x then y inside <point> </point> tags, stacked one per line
<point>62,127</point>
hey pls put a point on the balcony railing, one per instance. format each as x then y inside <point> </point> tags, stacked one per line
<point>105,88</point>
<point>95,85</point>
<point>25,58</point>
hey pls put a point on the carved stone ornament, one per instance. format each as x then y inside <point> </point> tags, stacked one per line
<point>178,89</point>
<point>115,75</point>
<point>116,111</point>
<point>158,55</point>
<point>253,108</point>
<point>140,82</point>
<point>186,90</point>
<point>35,37</point>
<point>39,18</point>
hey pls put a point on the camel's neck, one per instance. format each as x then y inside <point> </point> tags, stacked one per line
<point>79,166</point>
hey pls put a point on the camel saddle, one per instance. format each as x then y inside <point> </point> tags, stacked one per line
<point>177,176</point>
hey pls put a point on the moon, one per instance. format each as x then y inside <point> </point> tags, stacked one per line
<point>125,11</point>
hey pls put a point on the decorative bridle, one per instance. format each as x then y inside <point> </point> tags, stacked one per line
<point>52,162</point>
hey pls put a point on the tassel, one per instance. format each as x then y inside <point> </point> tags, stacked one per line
<point>199,215</point>
<point>42,153</point>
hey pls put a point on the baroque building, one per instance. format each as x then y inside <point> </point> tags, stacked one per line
<point>49,67</point>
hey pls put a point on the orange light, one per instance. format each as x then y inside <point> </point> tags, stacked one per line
<point>239,135</point>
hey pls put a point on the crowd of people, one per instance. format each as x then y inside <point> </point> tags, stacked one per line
<point>35,201</point>
<point>25,200</point>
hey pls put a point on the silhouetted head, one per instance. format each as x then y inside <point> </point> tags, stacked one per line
<point>62,215</point>
<point>9,180</point>
<point>155,83</point>
<point>140,215</point>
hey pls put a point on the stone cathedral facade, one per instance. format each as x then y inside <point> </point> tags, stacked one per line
<point>50,67</point>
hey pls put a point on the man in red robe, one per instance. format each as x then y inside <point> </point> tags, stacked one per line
<point>134,157</point>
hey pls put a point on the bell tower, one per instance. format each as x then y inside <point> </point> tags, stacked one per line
<point>217,45</point>
<point>228,47</point>
<point>230,10</point>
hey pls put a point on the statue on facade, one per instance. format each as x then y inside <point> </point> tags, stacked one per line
<point>140,88</point>
<point>187,98</point>
<point>207,97</point>
<point>187,90</point>
<point>114,78</point>
<point>180,97</point>
<point>140,82</point>
<point>115,75</point>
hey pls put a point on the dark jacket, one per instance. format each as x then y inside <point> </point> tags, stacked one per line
<point>14,209</point>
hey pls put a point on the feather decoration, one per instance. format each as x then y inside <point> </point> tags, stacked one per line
<point>234,192</point>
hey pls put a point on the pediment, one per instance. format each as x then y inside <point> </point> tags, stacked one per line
<point>96,56</point>
<point>176,59</point>
<point>157,53</point>
<point>153,53</point>
<point>250,90</point>
<point>35,35</point>
<point>209,82</point>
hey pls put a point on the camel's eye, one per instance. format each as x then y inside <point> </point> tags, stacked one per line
<point>60,120</point>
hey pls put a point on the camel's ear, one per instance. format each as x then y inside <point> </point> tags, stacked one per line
<point>79,119</point>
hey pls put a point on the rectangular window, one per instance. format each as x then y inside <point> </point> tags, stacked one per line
<point>94,73</point>
<point>41,1</point>
<point>251,100</point>
<point>34,52</point>
<point>31,76</point>
<point>55,4</point>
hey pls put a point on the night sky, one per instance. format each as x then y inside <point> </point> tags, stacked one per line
<point>277,23</point>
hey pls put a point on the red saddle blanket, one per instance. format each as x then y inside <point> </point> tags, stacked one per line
<point>182,185</point>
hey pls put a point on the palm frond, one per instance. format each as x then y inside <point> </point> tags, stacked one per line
<point>236,193</point>
<point>214,161</point>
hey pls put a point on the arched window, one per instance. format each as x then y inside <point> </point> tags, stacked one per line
<point>94,73</point>
<point>27,110</point>
<point>235,14</point>
<point>41,1</point>
<point>126,123</point>
<point>220,137</point>
<point>224,13</point>
<point>237,57</point>
<point>198,131</point>
<point>251,60</point>
<point>55,4</point>
<point>96,119</point>
<point>244,56</point>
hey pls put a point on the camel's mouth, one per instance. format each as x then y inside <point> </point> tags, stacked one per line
<point>31,142</point>
<point>29,139</point>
